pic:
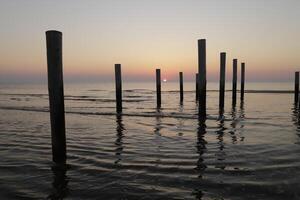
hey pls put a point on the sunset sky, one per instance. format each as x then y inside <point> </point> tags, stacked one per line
<point>146,34</point>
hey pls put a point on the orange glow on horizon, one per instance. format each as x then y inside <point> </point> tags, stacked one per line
<point>149,35</point>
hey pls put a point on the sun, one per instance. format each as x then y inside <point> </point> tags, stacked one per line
<point>164,80</point>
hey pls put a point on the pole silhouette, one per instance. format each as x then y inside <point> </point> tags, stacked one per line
<point>202,77</point>
<point>197,87</point>
<point>181,86</point>
<point>296,92</point>
<point>56,95</point>
<point>158,88</point>
<point>234,81</point>
<point>222,80</point>
<point>118,79</point>
<point>242,81</point>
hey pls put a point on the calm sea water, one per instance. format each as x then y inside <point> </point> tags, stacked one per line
<point>250,153</point>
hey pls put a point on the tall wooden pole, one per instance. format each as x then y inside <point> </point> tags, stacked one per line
<point>222,80</point>
<point>56,95</point>
<point>118,79</point>
<point>296,97</point>
<point>242,81</point>
<point>202,77</point>
<point>234,81</point>
<point>181,86</point>
<point>158,88</point>
<point>197,87</point>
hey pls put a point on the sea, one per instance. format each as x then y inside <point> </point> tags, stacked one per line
<point>251,151</point>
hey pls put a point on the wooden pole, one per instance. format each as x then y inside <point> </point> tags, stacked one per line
<point>158,88</point>
<point>181,86</point>
<point>197,87</point>
<point>222,80</point>
<point>242,81</point>
<point>234,81</point>
<point>118,79</point>
<point>202,77</point>
<point>56,95</point>
<point>296,98</point>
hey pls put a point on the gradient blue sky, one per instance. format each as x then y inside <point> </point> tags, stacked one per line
<point>143,35</point>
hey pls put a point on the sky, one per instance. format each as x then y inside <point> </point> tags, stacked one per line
<point>143,35</point>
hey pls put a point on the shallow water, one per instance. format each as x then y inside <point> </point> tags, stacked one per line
<point>250,153</point>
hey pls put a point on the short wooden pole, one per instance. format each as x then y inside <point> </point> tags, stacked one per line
<point>234,81</point>
<point>118,79</point>
<point>158,88</point>
<point>222,80</point>
<point>56,95</point>
<point>242,81</point>
<point>296,92</point>
<point>181,86</point>
<point>202,77</point>
<point>197,87</point>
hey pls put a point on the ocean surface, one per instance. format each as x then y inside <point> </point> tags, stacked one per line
<point>252,152</point>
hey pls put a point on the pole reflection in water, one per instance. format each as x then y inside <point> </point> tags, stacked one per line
<point>158,122</point>
<point>242,117</point>
<point>60,182</point>
<point>157,133</point>
<point>296,118</point>
<point>198,194</point>
<point>220,137</point>
<point>233,125</point>
<point>295,115</point>
<point>242,110</point>
<point>201,148</point>
<point>180,121</point>
<point>119,140</point>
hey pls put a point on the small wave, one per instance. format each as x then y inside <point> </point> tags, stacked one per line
<point>104,100</point>
<point>96,90</point>
<point>79,96</point>
<point>133,96</point>
<point>134,90</point>
<point>144,91</point>
<point>25,95</point>
<point>270,91</point>
<point>16,99</point>
<point>148,114</point>
<point>246,91</point>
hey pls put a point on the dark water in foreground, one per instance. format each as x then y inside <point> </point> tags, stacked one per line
<point>251,153</point>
